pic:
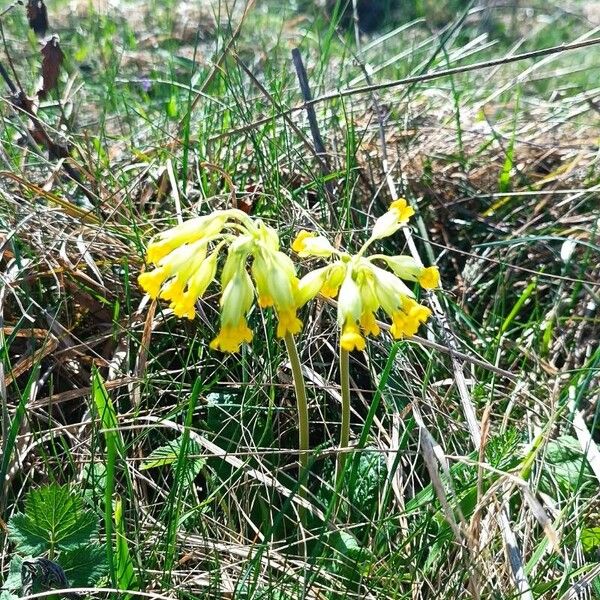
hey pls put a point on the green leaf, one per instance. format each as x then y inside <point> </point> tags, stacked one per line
<point>172,109</point>
<point>125,574</point>
<point>168,455</point>
<point>84,566</point>
<point>564,465</point>
<point>94,483</point>
<point>107,414</point>
<point>54,518</point>
<point>370,477</point>
<point>590,538</point>
<point>12,585</point>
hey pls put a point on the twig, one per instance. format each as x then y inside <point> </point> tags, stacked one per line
<point>10,7</point>
<point>310,109</point>
<point>4,73</point>
<point>10,62</point>
<point>314,127</point>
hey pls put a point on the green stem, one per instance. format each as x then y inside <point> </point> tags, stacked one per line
<point>345,430</point>
<point>301,404</point>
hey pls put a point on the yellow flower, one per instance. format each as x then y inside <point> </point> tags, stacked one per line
<point>351,338</point>
<point>151,281</point>
<point>368,323</point>
<point>183,273</point>
<point>195,229</point>
<point>429,278</point>
<point>366,284</point>
<point>288,322</point>
<point>350,310</point>
<point>397,215</point>
<point>311,244</point>
<point>231,337</point>
<point>336,275</point>
<point>183,303</point>
<point>275,276</point>
<point>310,285</point>
<point>235,303</point>
<point>389,290</point>
<point>408,268</point>
<point>406,321</point>
<point>402,209</point>
<point>366,288</point>
<point>180,263</point>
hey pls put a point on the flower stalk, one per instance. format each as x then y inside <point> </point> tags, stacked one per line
<point>301,405</point>
<point>345,426</point>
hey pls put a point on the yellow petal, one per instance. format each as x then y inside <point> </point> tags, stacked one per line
<point>402,209</point>
<point>184,307</point>
<point>429,278</point>
<point>288,323</point>
<point>311,244</point>
<point>231,337</point>
<point>351,338</point>
<point>299,242</point>
<point>369,324</point>
<point>151,281</point>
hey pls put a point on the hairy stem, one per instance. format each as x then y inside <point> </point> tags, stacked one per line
<point>301,404</point>
<point>345,430</point>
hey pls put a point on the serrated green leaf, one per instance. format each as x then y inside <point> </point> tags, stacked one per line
<point>84,566</point>
<point>168,454</point>
<point>54,518</point>
<point>564,465</point>
<point>590,538</point>
<point>12,584</point>
<point>370,477</point>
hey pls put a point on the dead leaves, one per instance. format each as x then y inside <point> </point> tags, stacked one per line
<point>52,60</point>
<point>37,16</point>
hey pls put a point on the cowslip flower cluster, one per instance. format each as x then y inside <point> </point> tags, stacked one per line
<point>362,287</point>
<point>185,260</point>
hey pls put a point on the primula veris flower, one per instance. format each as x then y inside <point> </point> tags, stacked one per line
<point>363,288</point>
<point>199,228</point>
<point>277,286</point>
<point>350,310</point>
<point>397,216</point>
<point>310,244</point>
<point>186,259</point>
<point>236,301</point>
<point>406,267</point>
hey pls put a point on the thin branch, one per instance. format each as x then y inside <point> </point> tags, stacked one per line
<point>314,129</point>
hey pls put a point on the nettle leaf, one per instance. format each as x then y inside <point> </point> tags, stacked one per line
<point>54,518</point>
<point>168,455</point>
<point>371,475</point>
<point>590,538</point>
<point>84,566</point>
<point>12,585</point>
<point>564,465</point>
